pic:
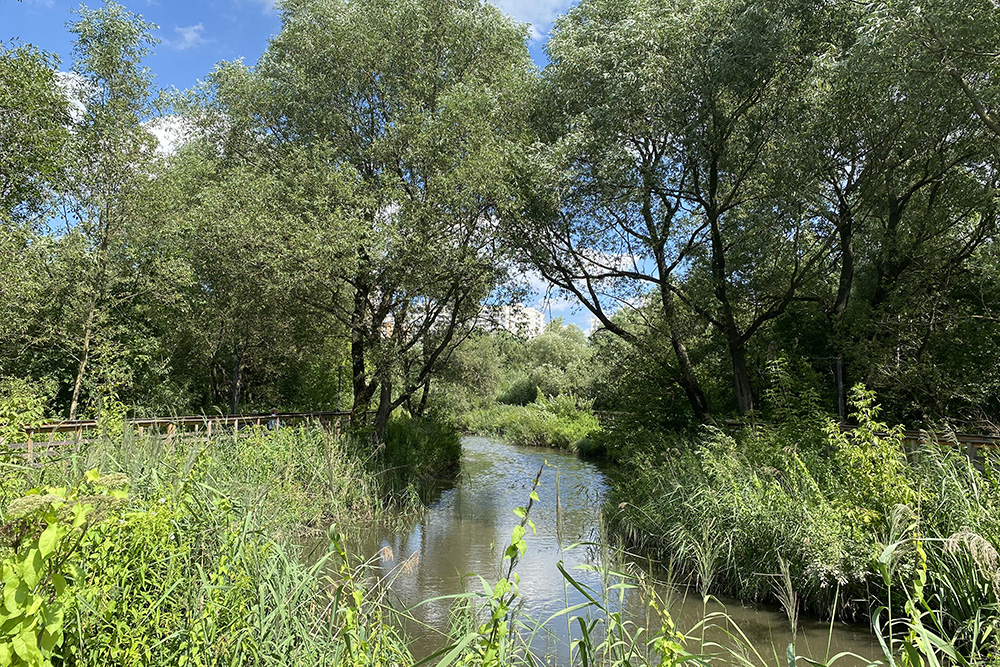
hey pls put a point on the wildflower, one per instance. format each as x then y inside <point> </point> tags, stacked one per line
<point>115,480</point>
<point>26,505</point>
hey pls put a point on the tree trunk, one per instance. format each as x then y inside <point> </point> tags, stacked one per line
<point>385,408</point>
<point>88,331</point>
<point>362,389</point>
<point>235,389</point>
<point>688,380</point>
<point>741,378</point>
<point>422,406</point>
<point>734,339</point>
<point>845,230</point>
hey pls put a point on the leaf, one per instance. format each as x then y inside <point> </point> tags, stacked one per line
<point>25,645</point>
<point>48,540</point>
<point>31,568</point>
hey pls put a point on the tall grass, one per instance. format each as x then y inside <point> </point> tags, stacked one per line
<point>809,519</point>
<point>191,559</point>
<point>184,556</point>
<point>562,422</point>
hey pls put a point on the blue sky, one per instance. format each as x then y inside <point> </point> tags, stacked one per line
<point>196,34</point>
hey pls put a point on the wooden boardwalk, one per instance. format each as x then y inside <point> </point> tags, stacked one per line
<point>48,437</point>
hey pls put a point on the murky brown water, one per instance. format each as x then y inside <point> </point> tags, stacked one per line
<point>464,533</point>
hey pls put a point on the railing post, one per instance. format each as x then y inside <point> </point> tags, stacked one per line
<point>31,450</point>
<point>171,430</point>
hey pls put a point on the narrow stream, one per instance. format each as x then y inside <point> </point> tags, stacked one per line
<point>464,533</point>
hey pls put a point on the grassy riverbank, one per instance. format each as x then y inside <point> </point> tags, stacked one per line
<point>140,552</point>
<point>562,422</point>
<point>805,517</point>
<point>184,554</point>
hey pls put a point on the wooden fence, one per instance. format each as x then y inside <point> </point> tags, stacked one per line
<point>47,437</point>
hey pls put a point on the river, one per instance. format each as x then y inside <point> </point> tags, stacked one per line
<point>464,532</point>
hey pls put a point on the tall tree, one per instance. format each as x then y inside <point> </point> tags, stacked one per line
<point>109,157</point>
<point>391,124</point>
<point>674,123</point>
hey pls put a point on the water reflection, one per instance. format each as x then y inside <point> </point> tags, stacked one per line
<point>464,533</point>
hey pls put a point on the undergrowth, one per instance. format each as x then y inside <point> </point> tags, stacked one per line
<point>837,514</point>
<point>563,422</point>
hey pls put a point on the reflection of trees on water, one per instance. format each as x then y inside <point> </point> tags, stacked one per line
<point>465,532</point>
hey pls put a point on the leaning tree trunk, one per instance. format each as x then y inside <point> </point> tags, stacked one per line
<point>88,332</point>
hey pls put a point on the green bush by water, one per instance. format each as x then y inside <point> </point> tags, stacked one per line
<point>731,509</point>
<point>563,422</point>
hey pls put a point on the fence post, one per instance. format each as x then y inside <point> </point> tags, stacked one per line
<point>171,430</point>
<point>31,450</point>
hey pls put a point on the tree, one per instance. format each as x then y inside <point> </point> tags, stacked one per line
<point>108,156</point>
<point>34,114</point>
<point>397,120</point>
<point>673,123</point>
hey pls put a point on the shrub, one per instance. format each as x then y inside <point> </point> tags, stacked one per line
<point>419,451</point>
<point>560,421</point>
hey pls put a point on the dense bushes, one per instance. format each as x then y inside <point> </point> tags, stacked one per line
<point>419,451</point>
<point>728,509</point>
<point>564,422</point>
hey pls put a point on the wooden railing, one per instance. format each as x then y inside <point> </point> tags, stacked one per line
<point>64,433</point>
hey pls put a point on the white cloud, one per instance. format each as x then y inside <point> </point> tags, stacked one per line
<point>187,37</point>
<point>170,132</point>
<point>74,87</point>
<point>539,14</point>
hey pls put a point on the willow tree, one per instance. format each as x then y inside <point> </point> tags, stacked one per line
<point>107,156</point>
<point>391,124</point>
<point>909,182</point>
<point>674,124</point>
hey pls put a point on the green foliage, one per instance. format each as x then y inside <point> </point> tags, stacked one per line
<point>33,133</point>
<point>874,454</point>
<point>195,566</point>
<point>23,404</point>
<point>734,509</point>
<point>419,452</point>
<point>45,531</point>
<point>562,421</point>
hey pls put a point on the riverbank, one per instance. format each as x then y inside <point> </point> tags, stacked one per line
<point>560,422</point>
<point>186,553</point>
<point>820,522</point>
<point>136,551</point>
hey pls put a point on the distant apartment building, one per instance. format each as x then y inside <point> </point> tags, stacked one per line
<point>518,319</point>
